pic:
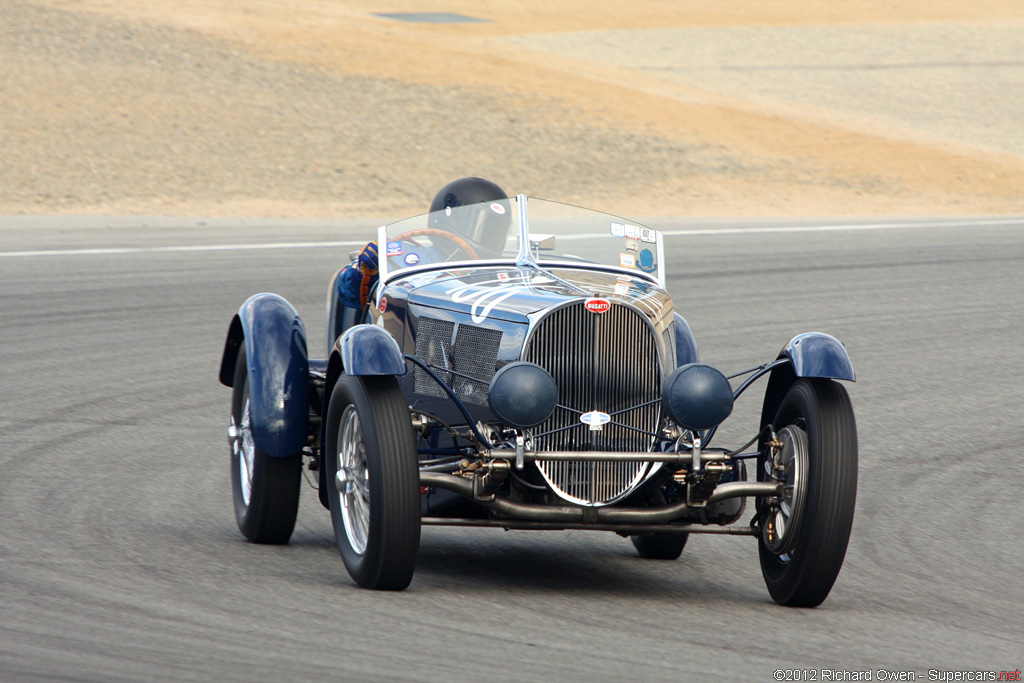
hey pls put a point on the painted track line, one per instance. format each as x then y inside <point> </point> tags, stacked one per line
<point>686,232</point>
<point>996,222</point>
<point>114,251</point>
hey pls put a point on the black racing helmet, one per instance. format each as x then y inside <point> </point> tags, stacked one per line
<point>475,209</point>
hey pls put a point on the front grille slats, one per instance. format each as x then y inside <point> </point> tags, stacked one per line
<point>606,362</point>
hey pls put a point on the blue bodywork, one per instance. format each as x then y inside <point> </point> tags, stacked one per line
<point>816,354</point>
<point>278,369</point>
<point>370,350</point>
<point>812,354</point>
<point>686,345</point>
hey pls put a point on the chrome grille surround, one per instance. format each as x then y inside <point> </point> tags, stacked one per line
<point>600,361</point>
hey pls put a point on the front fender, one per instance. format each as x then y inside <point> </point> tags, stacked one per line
<point>812,354</point>
<point>686,345</point>
<point>278,369</point>
<point>816,354</point>
<point>370,350</point>
<point>361,350</point>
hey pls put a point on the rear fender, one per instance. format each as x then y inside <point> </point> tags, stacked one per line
<point>278,369</point>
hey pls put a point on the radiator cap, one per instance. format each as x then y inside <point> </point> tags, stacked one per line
<point>522,394</point>
<point>697,396</point>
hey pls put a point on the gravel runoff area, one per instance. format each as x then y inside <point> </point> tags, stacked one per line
<point>228,109</point>
<point>100,114</point>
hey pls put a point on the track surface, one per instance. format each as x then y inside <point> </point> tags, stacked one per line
<point>120,560</point>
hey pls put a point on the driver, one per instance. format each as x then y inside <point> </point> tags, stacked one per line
<point>461,208</point>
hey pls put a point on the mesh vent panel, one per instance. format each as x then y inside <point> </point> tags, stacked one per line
<point>433,346</point>
<point>669,338</point>
<point>476,352</point>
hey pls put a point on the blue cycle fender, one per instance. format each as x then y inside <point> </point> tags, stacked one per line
<point>370,350</point>
<point>686,345</point>
<point>278,369</point>
<point>816,354</point>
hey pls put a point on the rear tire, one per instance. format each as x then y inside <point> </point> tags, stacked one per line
<point>373,481</point>
<point>265,489</point>
<point>804,537</point>
<point>657,546</point>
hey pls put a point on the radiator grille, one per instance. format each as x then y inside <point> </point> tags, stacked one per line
<point>474,355</point>
<point>607,362</point>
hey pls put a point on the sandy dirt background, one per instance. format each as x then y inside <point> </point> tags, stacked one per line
<point>313,108</point>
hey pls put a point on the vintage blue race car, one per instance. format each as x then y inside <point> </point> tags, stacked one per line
<point>520,365</point>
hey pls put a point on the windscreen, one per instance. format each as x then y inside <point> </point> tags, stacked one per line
<point>474,232</point>
<point>491,231</point>
<point>564,233</point>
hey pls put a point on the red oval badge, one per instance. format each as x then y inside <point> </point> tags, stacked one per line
<point>597,305</point>
<point>383,304</point>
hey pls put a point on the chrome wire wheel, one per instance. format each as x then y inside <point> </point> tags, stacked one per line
<point>264,489</point>
<point>375,496</point>
<point>353,480</point>
<point>788,467</point>
<point>245,451</point>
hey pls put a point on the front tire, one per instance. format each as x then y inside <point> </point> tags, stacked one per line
<point>373,481</point>
<point>265,489</point>
<point>805,532</point>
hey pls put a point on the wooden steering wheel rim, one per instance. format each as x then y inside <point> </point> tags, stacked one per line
<point>462,244</point>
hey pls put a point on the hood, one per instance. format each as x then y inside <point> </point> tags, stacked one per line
<point>514,294</point>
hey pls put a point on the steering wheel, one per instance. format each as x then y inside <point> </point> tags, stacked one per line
<point>434,232</point>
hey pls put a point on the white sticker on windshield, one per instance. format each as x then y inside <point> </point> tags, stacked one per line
<point>633,232</point>
<point>618,229</point>
<point>627,260</point>
<point>648,235</point>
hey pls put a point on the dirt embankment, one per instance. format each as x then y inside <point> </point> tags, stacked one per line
<point>324,108</point>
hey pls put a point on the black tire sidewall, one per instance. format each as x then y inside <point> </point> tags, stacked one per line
<point>270,515</point>
<point>823,535</point>
<point>371,569</point>
<point>657,546</point>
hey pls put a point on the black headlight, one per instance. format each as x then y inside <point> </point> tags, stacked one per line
<point>522,394</point>
<point>697,396</point>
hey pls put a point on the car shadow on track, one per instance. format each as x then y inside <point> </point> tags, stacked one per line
<point>565,563</point>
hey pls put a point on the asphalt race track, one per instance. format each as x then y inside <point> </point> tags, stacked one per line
<point>120,559</point>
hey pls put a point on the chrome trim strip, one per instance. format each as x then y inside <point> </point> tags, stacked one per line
<point>524,259</point>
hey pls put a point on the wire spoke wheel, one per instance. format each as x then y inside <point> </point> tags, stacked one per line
<point>245,450</point>
<point>805,531</point>
<point>784,515</point>
<point>265,489</point>
<point>374,499</point>
<point>352,481</point>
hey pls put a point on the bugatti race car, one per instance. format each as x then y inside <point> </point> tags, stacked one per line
<point>519,364</point>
